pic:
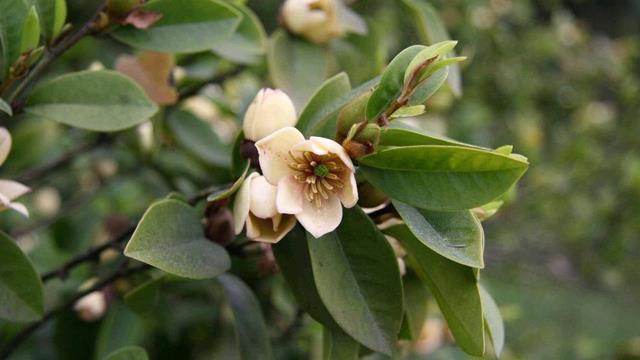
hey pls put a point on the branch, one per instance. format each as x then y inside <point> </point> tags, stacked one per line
<point>13,344</point>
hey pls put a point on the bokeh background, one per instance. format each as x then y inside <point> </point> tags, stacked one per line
<point>560,80</point>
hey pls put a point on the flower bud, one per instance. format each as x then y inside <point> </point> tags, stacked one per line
<point>220,223</point>
<point>121,8</point>
<point>316,20</point>
<point>351,114</point>
<point>92,306</point>
<point>271,110</point>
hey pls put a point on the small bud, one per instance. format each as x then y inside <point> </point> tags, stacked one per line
<point>316,20</point>
<point>92,306</point>
<point>351,114</point>
<point>220,228</point>
<point>362,141</point>
<point>271,110</point>
<point>121,8</point>
<point>249,151</point>
<point>370,197</point>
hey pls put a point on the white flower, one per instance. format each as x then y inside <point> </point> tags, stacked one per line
<point>321,20</point>
<point>271,110</point>
<point>313,178</point>
<point>255,205</point>
<point>91,307</point>
<point>10,190</point>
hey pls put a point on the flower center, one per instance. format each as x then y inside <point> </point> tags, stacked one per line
<point>318,173</point>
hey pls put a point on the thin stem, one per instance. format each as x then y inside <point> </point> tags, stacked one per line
<point>15,342</point>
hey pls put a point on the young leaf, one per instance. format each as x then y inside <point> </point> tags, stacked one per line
<point>5,108</point>
<point>199,138</point>
<point>292,254</point>
<point>432,30</point>
<point>52,14</point>
<point>493,321</point>
<point>408,111</point>
<point>30,31</point>
<point>296,66</point>
<point>248,43</point>
<point>93,100</point>
<point>426,54</point>
<point>442,178</point>
<point>428,87</point>
<point>12,18</point>
<point>252,336</point>
<point>454,287</point>
<point>128,353</point>
<point>338,345</point>
<point>21,293</point>
<point>399,134</point>
<point>170,237</point>
<point>391,82</point>
<point>185,26</point>
<point>228,192</point>
<point>456,235</point>
<point>324,105</point>
<point>358,260</point>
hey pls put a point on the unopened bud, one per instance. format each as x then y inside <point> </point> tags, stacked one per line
<point>351,114</point>
<point>92,306</point>
<point>220,227</point>
<point>316,20</point>
<point>271,110</point>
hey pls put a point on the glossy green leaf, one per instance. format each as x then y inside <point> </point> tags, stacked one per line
<point>170,237</point>
<point>197,137</point>
<point>426,54</point>
<point>53,14</point>
<point>238,162</point>
<point>454,287</point>
<point>92,100</point>
<point>228,192</point>
<point>391,83</point>
<point>5,108</point>
<point>296,66</point>
<point>324,105</point>
<point>456,235</point>
<point>336,345</point>
<point>30,31</point>
<point>292,254</point>
<point>415,304</point>
<point>252,336</point>
<point>186,26</point>
<point>248,43</point>
<point>428,87</point>
<point>21,296</point>
<point>408,111</point>
<point>358,260</point>
<point>399,134</point>
<point>442,177</point>
<point>128,353</point>
<point>12,17</point>
<point>493,321</point>
<point>432,30</point>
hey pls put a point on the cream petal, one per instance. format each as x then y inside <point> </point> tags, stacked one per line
<point>20,208</point>
<point>242,203</point>
<point>349,194</point>
<point>321,220</point>
<point>274,153</point>
<point>334,148</point>
<point>12,189</point>
<point>263,198</point>
<point>263,229</point>
<point>270,111</point>
<point>5,144</point>
<point>402,267</point>
<point>290,195</point>
<point>310,146</point>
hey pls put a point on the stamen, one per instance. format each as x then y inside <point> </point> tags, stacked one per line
<point>326,184</point>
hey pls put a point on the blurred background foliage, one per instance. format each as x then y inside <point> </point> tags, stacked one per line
<point>560,80</point>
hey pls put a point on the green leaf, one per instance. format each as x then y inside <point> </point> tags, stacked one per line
<point>119,328</point>
<point>454,287</point>
<point>128,353</point>
<point>143,298</point>
<point>391,83</point>
<point>456,235</point>
<point>428,87</point>
<point>248,43</point>
<point>93,100</point>
<point>5,108</point>
<point>252,336</point>
<point>170,237</point>
<point>361,57</point>
<point>238,162</point>
<point>186,26</point>
<point>358,260</point>
<point>53,14</point>
<point>442,177</point>
<point>324,105</point>
<point>296,66</point>
<point>493,321</point>
<point>294,261</point>
<point>426,54</point>
<point>21,293</point>
<point>415,304</point>
<point>30,31</point>
<point>336,345</point>
<point>199,138</point>
<point>408,111</point>
<point>432,30</point>
<point>399,134</point>
<point>228,192</point>
<point>12,18</point>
